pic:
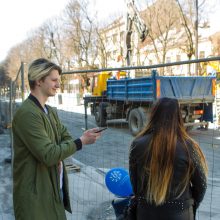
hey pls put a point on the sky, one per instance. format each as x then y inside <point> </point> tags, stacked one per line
<point>19,17</point>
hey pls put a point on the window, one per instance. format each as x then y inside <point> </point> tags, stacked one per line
<point>114,53</point>
<point>114,38</point>
<point>108,55</point>
<point>168,59</point>
<point>201,54</point>
<point>122,36</point>
<point>108,40</point>
<point>168,68</point>
<point>178,58</point>
<point>121,50</point>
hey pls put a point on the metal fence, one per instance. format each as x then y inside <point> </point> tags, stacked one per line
<point>94,201</point>
<point>11,97</point>
<point>87,168</point>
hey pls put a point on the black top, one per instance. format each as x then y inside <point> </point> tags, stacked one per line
<point>197,185</point>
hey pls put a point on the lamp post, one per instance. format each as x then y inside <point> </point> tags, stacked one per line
<point>196,36</point>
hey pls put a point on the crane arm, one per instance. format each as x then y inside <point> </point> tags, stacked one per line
<point>133,17</point>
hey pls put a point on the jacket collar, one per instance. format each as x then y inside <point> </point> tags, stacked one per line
<point>35,100</point>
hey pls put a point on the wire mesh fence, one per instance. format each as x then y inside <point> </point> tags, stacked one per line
<point>90,198</point>
<point>4,106</point>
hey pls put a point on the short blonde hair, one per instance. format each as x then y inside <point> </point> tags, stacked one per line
<point>40,68</point>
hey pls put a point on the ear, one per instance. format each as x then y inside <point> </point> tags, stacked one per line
<point>38,82</point>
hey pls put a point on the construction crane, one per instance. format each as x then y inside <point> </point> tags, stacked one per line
<point>133,18</point>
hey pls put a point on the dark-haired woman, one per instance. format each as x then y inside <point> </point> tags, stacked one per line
<point>167,168</point>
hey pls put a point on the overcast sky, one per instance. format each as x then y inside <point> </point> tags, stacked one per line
<point>18,17</point>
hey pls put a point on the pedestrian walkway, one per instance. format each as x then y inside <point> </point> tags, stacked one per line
<point>89,197</point>
<point>6,207</point>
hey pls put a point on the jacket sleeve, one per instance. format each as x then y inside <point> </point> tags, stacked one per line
<point>133,168</point>
<point>64,132</point>
<point>29,128</point>
<point>198,180</point>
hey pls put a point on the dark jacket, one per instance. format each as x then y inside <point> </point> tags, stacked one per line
<point>40,141</point>
<point>180,208</point>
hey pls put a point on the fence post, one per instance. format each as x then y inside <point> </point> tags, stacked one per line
<point>9,160</point>
<point>11,100</point>
<point>22,81</point>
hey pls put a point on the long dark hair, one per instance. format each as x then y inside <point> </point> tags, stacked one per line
<point>166,126</point>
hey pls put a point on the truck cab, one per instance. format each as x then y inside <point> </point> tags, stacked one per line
<point>99,81</point>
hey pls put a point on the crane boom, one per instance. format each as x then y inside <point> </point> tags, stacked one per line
<point>133,17</point>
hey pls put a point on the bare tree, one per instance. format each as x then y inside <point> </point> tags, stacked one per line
<point>193,15</point>
<point>81,33</point>
<point>162,20</point>
<point>4,77</point>
<point>215,39</point>
<point>102,54</point>
<point>80,38</point>
<point>111,42</point>
<point>13,61</point>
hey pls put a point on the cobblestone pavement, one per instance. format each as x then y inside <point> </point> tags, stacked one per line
<point>6,207</point>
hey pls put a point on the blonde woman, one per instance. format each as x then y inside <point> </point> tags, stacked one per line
<point>167,168</point>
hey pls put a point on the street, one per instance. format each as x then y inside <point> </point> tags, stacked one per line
<point>111,150</point>
<point>89,196</point>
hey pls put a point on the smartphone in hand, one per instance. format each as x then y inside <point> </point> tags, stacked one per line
<point>101,129</point>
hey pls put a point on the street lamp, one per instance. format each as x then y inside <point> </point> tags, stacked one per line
<point>196,35</point>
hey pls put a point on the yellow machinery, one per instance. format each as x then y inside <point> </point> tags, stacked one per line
<point>215,65</point>
<point>99,82</point>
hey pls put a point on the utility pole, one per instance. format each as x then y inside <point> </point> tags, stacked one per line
<point>196,35</point>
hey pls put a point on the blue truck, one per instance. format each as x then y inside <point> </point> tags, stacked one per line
<point>132,98</point>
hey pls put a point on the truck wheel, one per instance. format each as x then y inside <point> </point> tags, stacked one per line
<point>100,115</point>
<point>136,121</point>
<point>189,128</point>
<point>205,126</point>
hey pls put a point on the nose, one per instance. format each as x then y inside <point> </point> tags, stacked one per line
<point>58,84</point>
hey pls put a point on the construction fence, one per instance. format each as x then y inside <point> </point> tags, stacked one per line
<point>87,168</point>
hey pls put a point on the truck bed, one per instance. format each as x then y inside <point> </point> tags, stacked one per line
<point>147,89</point>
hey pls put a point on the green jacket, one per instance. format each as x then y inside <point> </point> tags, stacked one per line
<point>40,141</point>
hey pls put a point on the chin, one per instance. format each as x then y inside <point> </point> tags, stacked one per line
<point>52,94</point>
